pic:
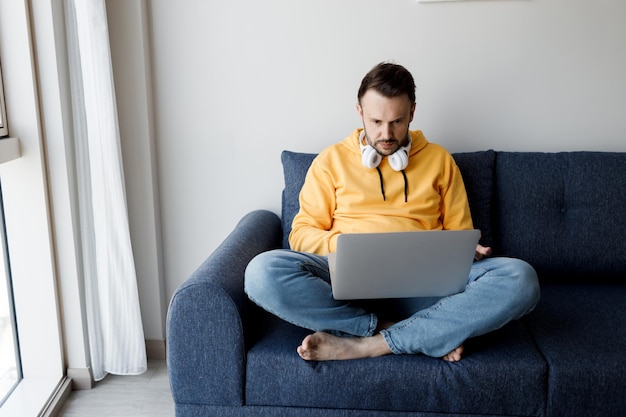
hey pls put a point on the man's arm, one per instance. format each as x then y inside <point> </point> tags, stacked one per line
<point>311,227</point>
<point>455,210</point>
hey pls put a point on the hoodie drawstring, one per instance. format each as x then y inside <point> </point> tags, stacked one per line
<point>382,185</point>
<point>406,187</point>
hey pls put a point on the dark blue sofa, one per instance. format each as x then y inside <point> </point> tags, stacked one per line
<point>565,213</point>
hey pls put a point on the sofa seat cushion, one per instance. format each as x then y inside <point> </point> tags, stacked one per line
<point>501,374</point>
<point>581,332</point>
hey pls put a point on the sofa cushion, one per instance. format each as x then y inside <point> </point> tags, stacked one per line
<point>477,169</point>
<point>564,213</point>
<point>581,333</point>
<point>501,374</point>
<point>295,167</point>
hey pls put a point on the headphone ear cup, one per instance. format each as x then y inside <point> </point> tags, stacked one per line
<point>399,160</point>
<point>370,157</point>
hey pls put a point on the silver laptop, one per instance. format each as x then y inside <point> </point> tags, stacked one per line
<point>402,264</point>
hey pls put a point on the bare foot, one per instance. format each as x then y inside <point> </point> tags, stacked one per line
<point>455,355</point>
<point>322,346</point>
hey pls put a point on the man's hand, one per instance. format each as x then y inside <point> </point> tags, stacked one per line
<point>482,252</point>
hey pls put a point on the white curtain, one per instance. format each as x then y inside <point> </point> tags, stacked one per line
<point>115,329</point>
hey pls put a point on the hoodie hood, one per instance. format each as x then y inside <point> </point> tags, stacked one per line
<point>418,142</point>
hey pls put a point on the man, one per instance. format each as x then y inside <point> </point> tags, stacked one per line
<point>384,177</point>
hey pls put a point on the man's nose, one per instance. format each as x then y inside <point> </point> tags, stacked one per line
<point>386,131</point>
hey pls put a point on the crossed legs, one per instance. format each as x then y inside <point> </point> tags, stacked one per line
<point>295,287</point>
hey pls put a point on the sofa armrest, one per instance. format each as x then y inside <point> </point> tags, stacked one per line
<point>207,317</point>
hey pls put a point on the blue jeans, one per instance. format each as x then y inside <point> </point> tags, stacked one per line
<point>295,286</point>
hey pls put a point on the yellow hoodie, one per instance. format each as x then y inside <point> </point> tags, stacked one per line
<point>341,195</point>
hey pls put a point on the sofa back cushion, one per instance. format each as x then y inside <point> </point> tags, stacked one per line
<point>477,169</point>
<point>478,172</point>
<point>564,213</point>
<point>295,167</point>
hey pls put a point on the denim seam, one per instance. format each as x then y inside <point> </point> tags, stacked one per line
<point>392,346</point>
<point>307,265</point>
<point>373,324</point>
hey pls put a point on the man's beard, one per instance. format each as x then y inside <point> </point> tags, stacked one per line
<point>386,151</point>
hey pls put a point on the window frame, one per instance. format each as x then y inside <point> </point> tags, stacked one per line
<point>4,127</point>
<point>27,208</point>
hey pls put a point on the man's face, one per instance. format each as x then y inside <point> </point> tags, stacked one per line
<point>385,120</point>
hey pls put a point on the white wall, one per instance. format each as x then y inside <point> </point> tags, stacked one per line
<point>236,82</point>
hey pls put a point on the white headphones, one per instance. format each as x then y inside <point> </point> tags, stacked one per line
<point>370,157</point>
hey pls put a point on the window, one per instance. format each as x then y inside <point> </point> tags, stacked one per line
<point>27,217</point>
<point>10,369</point>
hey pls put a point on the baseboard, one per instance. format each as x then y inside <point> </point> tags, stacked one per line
<point>81,378</point>
<point>55,405</point>
<point>155,349</point>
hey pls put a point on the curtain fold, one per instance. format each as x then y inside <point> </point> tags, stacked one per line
<point>115,330</point>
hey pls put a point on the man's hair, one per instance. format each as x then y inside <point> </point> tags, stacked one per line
<point>390,80</point>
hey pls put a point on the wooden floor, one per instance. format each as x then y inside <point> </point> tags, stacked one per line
<point>146,395</point>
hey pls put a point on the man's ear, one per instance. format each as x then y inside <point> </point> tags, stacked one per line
<point>412,112</point>
<point>359,109</point>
